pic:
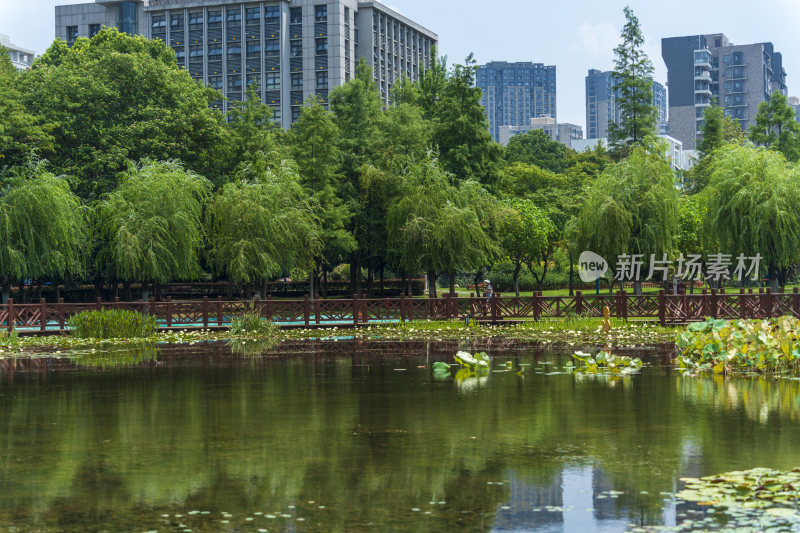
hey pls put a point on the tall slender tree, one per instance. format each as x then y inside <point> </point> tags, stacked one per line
<point>633,72</point>
<point>776,127</point>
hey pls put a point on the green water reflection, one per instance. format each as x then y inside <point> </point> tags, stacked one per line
<point>337,441</point>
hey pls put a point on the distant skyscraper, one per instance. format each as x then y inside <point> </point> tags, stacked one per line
<point>514,93</point>
<point>20,57</point>
<point>702,68</point>
<point>794,101</point>
<point>601,104</point>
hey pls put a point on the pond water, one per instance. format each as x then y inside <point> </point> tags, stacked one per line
<point>353,436</point>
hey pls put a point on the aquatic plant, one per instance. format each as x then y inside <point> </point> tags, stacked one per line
<point>478,362</point>
<point>736,346</point>
<point>759,488</point>
<point>606,363</point>
<point>251,323</point>
<point>112,324</point>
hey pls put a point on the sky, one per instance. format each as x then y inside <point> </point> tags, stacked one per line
<point>574,35</point>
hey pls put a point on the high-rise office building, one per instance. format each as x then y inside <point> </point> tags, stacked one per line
<point>601,105</point>
<point>794,101</point>
<point>514,93</point>
<point>290,48</point>
<point>21,58</point>
<point>704,68</point>
<point>562,132</point>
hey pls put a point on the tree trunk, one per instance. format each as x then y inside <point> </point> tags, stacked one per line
<point>6,291</point>
<point>452,284</point>
<point>58,292</point>
<point>432,284</point>
<point>571,272</point>
<point>774,280</point>
<point>325,283</point>
<point>637,287</point>
<point>230,290</point>
<point>127,291</point>
<point>477,281</point>
<point>517,268</point>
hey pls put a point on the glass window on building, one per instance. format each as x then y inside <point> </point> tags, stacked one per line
<point>253,78</point>
<point>94,29</point>
<point>176,21</point>
<point>126,18</point>
<point>276,114</point>
<point>737,58</point>
<point>253,49</point>
<point>296,15</point>
<point>272,81</point>
<point>321,13</point>
<point>72,33</point>
<point>214,52</point>
<point>195,20</point>
<point>215,82</point>
<point>296,48</point>
<point>214,17</point>
<point>253,14</point>
<point>235,82</point>
<point>295,113</point>
<point>297,81</point>
<point>196,52</point>
<point>726,60</point>
<point>272,14</point>
<point>234,51</point>
<point>234,15</point>
<point>322,79</point>
<point>272,47</point>
<point>322,46</point>
<point>159,22</point>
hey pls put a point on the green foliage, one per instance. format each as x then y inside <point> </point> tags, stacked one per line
<point>752,206</point>
<point>537,148</point>
<point>150,225</point>
<point>526,234</point>
<point>607,363</point>
<point>253,134</point>
<point>251,323</point>
<point>633,73</point>
<point>773,491</point>
<point>689,239</point>
<point>480,362</point>
<point>42,227</point>
<point>750,346</point>
<point>713,129</point>
<point>632,208</point>
<point>119,97</point>
<point>776,127</point>
<point>261,225</point>
<point>112,324</point>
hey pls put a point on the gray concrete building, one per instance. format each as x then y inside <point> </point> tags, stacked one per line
<point>21,58</point>
<point>601,105</point>
<point>291,48</point>
<point>704,68</point>
<point>514,93</point>
<point>562,132</point>
<point>794,101</point>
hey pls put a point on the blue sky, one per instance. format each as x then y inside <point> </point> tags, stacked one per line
<point>574,35</point>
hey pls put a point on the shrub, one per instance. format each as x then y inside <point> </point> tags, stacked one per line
<point>112,324</point>
<point>252,323</point>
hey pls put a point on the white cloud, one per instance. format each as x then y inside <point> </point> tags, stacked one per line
<point>596,40</point>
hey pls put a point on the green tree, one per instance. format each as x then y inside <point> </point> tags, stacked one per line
<point>356,107</point>
<point>261,225</point>
<point>713,129</point>
<point>460,126</point>
<point>433,228</point>
<point>633,73</point>
<point>21,134</point>
<point>252,132</point>
<point>119,97</point>
<point>632,208</point>
<point>537,148</point>
<point>42,228</point>
<point>526,233</point>
<point>314,143</point>
<point>150,226</point>
<point>776,127</point>
<point>752,206</point>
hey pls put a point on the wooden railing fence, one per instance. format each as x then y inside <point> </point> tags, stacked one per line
<point>662,307</point>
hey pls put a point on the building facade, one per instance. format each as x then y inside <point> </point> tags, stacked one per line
<point>514,93</point>
<point>22,58</point>
<point>601,107</point>
<point>794,101</point>
<point>291,49</point>
<point>706,68</point>
<point>563,132</point>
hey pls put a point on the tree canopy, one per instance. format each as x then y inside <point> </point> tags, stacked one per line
<point>777,127</point>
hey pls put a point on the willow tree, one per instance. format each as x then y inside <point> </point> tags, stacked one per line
<point>432,226</point>
<point>150,226</point>
<point>632,208</point>
<point>262,225</point>
<point>753,207</point>
<point>42,228</point>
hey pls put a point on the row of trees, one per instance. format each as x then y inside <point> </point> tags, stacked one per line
<point>116,169</point>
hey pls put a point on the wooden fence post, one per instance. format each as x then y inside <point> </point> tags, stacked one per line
<point>579,303</point>
<point>62,314</point>
<point>306,310</point>
<point>623,302</point>
<point>169,311</point>
<point>704,308</point>
<point>768,307</point>
<point>662,307</point>
<point>796,302</point>
<point>99,305</point>
<point>205,312</point>
<point>713,300</point>
<point>220,315</point>
<point>317,311</point>
<point>355,310</point>
<point>269,307</point>
<point>742,304</point>
<point>495,309</point>
<point>42,314</point>
<point>10,318</point>
<point>402,308</point>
